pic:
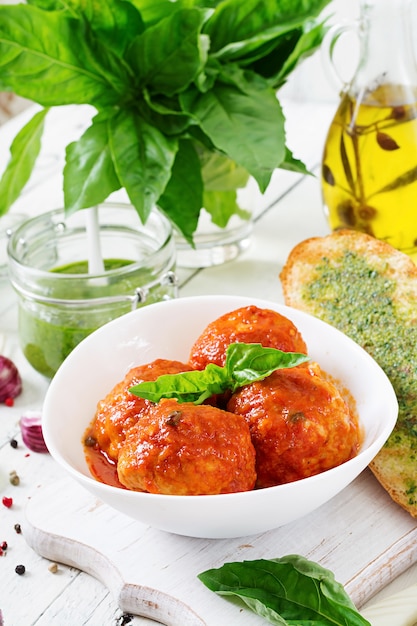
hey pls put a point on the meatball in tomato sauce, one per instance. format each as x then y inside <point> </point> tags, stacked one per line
<point>184,449</point>
<point>119,410</point>
<point>245,325</point>
<point>299,423</point>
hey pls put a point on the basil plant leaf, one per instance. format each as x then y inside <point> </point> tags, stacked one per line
<point>56,50</point>
<point>287,591</point>
<point>89,173</point>
<point>243,118</point>
<point>237,25</point>
<point>308,42</point>
<point>24,151</point>
<point>182,198</point>
<point>222,179</point>
<point>292,164</point>
<point>114,22</point>
<point>153,11</point>
<point>172,65</point>
<point>245,363</point>
<point>143,158</point>
<point>222,205</point>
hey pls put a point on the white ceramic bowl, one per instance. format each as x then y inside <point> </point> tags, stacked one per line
<point>168,330</point>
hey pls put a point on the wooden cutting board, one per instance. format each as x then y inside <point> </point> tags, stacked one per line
<point>361,535</point>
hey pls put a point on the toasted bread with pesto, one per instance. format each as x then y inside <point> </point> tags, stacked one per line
<point>368,290</point>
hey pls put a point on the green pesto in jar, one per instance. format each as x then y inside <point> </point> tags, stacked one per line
<point>49,332</point>
<point>354,297</point>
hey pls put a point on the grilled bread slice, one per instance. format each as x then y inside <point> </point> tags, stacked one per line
<point>368,290</point>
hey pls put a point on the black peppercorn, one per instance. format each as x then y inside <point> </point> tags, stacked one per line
<point>20,569</point>
<point>18,528</point>
<point>13,443</point>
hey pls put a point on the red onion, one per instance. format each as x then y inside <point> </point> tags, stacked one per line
<point>10,381</point>
<point>31,429</point>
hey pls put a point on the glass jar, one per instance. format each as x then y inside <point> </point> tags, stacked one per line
<point>8,223</point>
<point>369,166</point>
<point>59,301</point>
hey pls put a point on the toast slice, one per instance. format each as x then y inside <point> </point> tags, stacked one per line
<point>368,290</point>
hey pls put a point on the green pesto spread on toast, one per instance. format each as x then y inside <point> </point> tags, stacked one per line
<point>357,288</point>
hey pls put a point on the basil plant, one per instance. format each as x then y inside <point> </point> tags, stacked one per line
<point>173,84</point>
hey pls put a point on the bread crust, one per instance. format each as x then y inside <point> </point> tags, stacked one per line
<point>368,290</point>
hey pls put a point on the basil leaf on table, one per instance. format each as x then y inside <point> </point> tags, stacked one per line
<point>245,363</point>
<point>288,591</point>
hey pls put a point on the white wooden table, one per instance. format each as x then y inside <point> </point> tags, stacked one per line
<point>291,211</point>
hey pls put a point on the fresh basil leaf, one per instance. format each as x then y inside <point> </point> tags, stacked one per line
<point>309,41</point>
<point>172,64</point>
<point>221,173</point>
<point>243,118</point>
<point>194,386</point>
<point>23,154</point>
<point>256,21</point>
<point>116,23</point>
<point>245,363</point>
<point>154,11</point>
<point>89,173</point>
<point>182,198</point>
<point>165,113</point>
<point>222,178</point>
<point>51,49</point>
<point>288,591</point>
<point>143,158</point>
<point>291,164</point>
<point>222,205</point>
<point>49,5</point>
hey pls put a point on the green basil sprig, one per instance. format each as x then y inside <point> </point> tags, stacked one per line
<point>168,79</point>
<point>289,591</point>
<point>245,363</point>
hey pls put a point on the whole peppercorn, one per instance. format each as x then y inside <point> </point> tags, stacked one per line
<point>20,569</point>
<point>4,545</point>
<point>8,502</point>
<point>18,528</point>
<point>13,443</point>
<point>14,478</point>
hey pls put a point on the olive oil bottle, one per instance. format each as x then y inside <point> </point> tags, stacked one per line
<point>369,164</point>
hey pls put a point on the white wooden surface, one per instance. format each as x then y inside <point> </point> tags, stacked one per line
<point>290,212</point>
<point>153,573</point>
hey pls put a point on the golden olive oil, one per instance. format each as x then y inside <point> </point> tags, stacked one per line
<point>369,168</point>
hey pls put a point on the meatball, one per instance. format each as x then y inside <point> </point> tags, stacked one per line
<point>120,409</point>
<point>246,325</point>
<point>184,449</point>
<point>300,425</point>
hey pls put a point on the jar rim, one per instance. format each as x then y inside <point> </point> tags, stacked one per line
<point>65,226</point>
